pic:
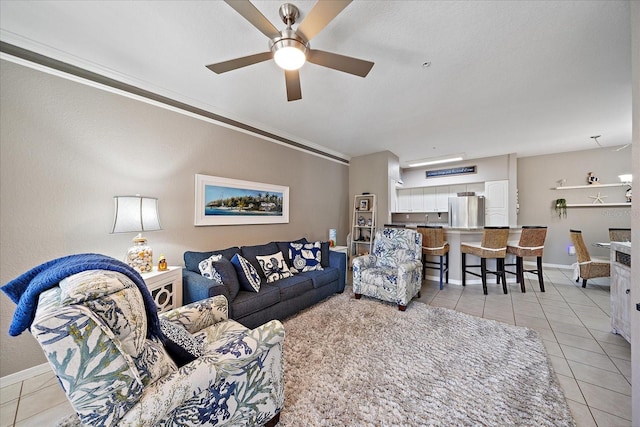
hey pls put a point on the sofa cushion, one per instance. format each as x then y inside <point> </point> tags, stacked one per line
<point>274,267</point>
<point>247,275</point>
<point>305,257</point>
<point>247,303</point>
<point>207,270</point>
<point>179,343</point>
<point>293,286</point>
<point>192,259</point>
<point>321,278</point>
<point>324,251</point>
<point>284,248</point>
<point>228,276</point>
<point>251,252</point>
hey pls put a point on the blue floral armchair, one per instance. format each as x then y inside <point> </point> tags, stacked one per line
<point>92,328</point>
<point>394,271</point>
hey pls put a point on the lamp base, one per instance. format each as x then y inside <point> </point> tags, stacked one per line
<point>140,255</point>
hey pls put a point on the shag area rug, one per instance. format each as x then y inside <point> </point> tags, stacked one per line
<point>362,362</point>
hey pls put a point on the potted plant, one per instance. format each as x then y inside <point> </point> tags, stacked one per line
<point>561,208</point>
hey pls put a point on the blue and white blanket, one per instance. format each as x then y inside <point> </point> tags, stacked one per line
<point>25,290</point>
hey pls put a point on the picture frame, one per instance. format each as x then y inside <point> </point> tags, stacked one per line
<point>226,201</point>
<point>364,205</point>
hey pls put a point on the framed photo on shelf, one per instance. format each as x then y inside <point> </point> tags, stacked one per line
<point>364,205</point>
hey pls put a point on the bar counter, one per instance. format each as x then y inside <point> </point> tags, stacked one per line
<point>456,236</point>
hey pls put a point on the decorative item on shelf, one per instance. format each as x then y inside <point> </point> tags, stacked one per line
<point>162,263</point>
<point>137,214</point>
<point>332,237</point>
<point>364,205</point>
<point>627,179</point>
<point>361,221</point>
<point>598,198</point>
<point>561,208</point>
<point>592,179</point>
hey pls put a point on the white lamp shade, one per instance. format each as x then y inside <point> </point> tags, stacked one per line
<point>135,214</point>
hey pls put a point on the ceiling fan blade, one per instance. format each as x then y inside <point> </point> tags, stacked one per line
<point>253,15</point>
<point>320,15</point>
<point>346,64</point>
<point>292,80</point>
<point>233,64</point>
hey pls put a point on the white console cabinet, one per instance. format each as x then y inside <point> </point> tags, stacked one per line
<point>621,289</point>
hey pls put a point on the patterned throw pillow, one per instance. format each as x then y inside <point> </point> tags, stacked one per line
<point>179,343</point>
<point>208,270</point>
<point>274,267</point>
<point>305,257</point>
<point>247,275</point>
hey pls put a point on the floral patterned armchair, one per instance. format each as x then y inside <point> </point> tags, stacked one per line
<point>92,329</point>
<point>394,271</point>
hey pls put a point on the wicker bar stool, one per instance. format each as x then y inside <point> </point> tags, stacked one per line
<point>531,244</point>
<point>620,234</point>
<point>493,246</point>
<point>587,268</point>
<point>433,244</point>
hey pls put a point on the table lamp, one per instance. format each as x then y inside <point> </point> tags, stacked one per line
<point>137,214</point>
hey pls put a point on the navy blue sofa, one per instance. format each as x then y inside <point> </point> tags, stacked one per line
<point>276,300</point>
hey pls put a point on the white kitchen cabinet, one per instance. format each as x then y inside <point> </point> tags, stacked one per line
<point>404,200</point>
<point>476,187</point>
<point>496,203</point>
<point>430,204</point>
<point>417,200</point>
<point>442,195</point>
<point>455,189</point>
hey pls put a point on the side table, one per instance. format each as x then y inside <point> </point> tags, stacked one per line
<point>165,287</point>
<point>344,250</point>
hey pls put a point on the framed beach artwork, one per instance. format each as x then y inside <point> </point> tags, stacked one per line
<point>224,201</point>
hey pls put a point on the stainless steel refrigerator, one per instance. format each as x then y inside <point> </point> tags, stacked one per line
<point>466,212</point>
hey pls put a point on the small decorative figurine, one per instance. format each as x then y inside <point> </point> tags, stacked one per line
<point>162,263</point>
<point>592,179</point>
<point>628,195</point>
<point>361,221</point>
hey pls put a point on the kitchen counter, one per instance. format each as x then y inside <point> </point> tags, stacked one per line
<point>456,236</point>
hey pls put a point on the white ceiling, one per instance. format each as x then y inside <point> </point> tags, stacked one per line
<point>525,77</point>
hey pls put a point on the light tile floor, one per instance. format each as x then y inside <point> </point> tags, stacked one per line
<point>593,365</point>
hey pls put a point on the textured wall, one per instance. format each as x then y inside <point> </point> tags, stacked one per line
<point>67,149</point>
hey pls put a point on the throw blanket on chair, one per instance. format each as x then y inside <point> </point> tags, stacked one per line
<point>25,289</point>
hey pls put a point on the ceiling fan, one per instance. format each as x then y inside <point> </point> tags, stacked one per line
<point>290,48</point>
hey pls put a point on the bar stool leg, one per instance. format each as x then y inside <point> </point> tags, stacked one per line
<point>447,273</point>
<point>500,263</point>
<point>483,272</point>
<point>464,269</point>
<point>520,270</point>
<point>441,270</point>
<point>540,279</point>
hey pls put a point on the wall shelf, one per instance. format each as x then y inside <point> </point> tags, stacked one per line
<point>597,205</point>
<point>575,187</point>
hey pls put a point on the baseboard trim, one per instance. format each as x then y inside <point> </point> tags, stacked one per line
<point>25,374</point>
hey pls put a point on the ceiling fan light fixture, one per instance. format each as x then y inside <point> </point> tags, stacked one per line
<point>289,52</point>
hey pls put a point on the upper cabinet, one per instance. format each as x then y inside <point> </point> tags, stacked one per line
<point>431,199</point>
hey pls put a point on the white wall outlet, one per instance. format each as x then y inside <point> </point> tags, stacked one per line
<point>571,250</point>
